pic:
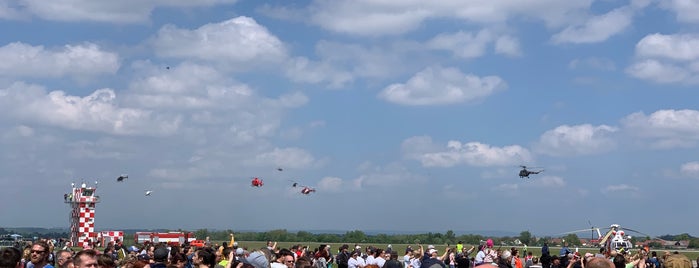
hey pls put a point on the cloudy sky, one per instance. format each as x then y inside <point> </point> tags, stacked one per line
<point>404,115</point>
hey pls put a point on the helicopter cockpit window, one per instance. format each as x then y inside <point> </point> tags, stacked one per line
<point>87,192</point>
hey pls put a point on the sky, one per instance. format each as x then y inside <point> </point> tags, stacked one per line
<point>409,116</point>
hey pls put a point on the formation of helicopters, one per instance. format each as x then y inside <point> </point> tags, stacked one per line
<point>306,190</point>
<point>255,182</point>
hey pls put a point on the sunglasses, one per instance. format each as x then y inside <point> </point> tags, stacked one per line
<point>38,251</point>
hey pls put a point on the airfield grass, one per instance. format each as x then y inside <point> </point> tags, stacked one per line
<point>400,248</point>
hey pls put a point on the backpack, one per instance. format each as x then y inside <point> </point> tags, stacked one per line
<point>320,263</point>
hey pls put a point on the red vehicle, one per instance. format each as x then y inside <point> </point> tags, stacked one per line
<point>198,243</point>
<point>173,238</point>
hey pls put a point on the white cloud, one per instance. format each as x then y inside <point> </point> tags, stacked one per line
<point>331,184</point>
<point>95,112</point>
<point>667,59</point>
<point>437,86</point>
<point>690,169</point>
<point>463,44</point>
<point>659,72</point>
<point>303,70</point>
<point>595,63</point>
<point>577,140</point>
<point>508,45</point>
<point>597,28</point>
<point>125,11</point>
<point>80,61</point>
<point>687,10</point>
<point>550,181</point>
<point>665,128</point>
<point>456,153</point>
<point>680,47</point>
<point>285,157</point>
<point>234,42</point>
<point>9,11</point>
<point>378,17</point>
<point>622,191</point>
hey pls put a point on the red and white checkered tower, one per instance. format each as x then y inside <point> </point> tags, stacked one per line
<point>82,201</point>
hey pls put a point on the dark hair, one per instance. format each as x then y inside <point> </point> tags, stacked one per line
<point>105,260</point>
<point>207,256</point>
<point>10,257</point>
<point>77,260</point>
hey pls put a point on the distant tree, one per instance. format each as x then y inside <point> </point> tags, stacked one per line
<point>525,237</point>
<point>572,239</point>
<point>355,236</point>
<point>450,237</point>
<point>684,236</point>
<point>202,233</point>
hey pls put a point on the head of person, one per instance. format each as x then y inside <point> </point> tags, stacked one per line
<point>286,257</point>
<point>597,262</point>
<point>204,256</point>
<point>39,253</point>
<point>63,257</point>
<point>160,254</point>
<point>10,257</point>
<point>106,261</point>
<point>86,258</point>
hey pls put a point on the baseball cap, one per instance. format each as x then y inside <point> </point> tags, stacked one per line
<point>160,254</point>
<point>430,246</point>
<point>432,251</point>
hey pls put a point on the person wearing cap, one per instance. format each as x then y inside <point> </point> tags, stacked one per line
<point>505,259</point>
<point>433,261</point>
<point>160,255</point>
<point>258,259</point>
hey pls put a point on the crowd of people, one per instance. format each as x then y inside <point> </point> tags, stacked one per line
<point>42,254</point>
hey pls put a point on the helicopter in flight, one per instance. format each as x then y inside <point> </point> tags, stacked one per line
<point>148,192</point>
<point>304,189</point>
<point>524,173</point>
<point>122,177</point>
<point>256,182</point>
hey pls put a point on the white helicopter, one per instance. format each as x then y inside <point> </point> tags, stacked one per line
<point>614,239</point>
<point>148,192</point>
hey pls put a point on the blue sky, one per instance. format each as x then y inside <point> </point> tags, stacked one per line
<point>405,115</point>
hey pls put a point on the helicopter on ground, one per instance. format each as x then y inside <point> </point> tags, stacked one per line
<point>256,182</point>
<point>524,173</point>
<point>614,239</point>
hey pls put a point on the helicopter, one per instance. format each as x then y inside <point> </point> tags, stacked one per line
<point>614,239</point>
<point>122,177</point>
<point>256,182</point>
<point>305,190</point>
<point>148,192</point>
<point>524,173</point>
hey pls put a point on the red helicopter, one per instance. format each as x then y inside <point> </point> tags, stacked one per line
<point>305,190</point>
<point>256,182</point>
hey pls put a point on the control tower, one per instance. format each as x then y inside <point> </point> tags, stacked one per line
<point>82,201</point>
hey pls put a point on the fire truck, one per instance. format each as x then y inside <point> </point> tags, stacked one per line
<point>173,238</point>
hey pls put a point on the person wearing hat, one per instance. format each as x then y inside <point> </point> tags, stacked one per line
<point>160,255</point>
<point>433,261</point>
<point>257,259</point>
